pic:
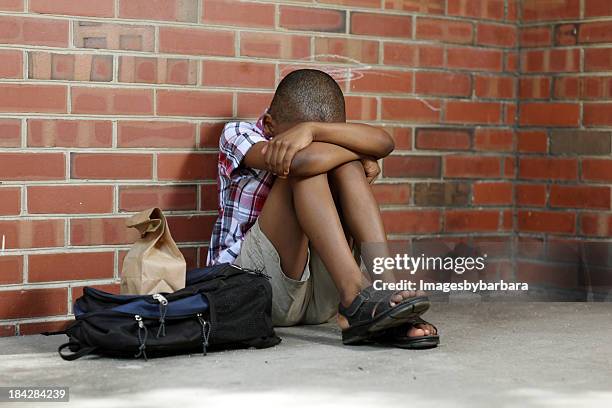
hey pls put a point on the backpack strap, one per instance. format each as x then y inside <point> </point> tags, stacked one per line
<point>82,351</point>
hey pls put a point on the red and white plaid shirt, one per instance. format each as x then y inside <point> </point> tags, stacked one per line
<point>242,190</point>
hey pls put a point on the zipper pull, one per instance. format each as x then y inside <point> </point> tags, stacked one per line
<point>205,332</point>
<point>142,340</point>
<point>160,298</point>
<point>163,303</point>
<point>139,320</point>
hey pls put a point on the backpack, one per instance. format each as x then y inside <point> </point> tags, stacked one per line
<point>221,307</point>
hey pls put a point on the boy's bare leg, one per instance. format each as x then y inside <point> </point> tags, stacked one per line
<point>361,216</point>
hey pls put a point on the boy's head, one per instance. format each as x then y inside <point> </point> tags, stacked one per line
<point>305,95</point>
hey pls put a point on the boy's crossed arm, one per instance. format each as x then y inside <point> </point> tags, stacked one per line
<point>312,148</point>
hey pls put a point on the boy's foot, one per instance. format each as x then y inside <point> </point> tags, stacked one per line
<point>373,311</point>
<point>416,330</point>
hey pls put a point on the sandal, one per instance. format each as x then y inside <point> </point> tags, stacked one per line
<point>371,312</point>
<point>396,336</point>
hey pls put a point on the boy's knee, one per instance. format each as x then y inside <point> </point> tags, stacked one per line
<point>353,169</point>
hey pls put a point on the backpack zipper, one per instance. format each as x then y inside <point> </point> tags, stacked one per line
<point>142,340</point>
<point>205,332</point>
<point>163,308</point>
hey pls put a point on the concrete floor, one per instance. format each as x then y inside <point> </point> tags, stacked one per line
<point>492,354</point>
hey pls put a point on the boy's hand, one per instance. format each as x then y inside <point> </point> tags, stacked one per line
<point>279,152</point>
<point>371,168</point>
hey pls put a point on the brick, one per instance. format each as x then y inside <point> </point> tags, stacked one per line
<point>26,329</point>
<point>596,88</point>
<point>70,67</point>
<point>111,166</point>
<point>346,50</point>
<point>414,110</point>
<point>392,193</point>
<point>460,166</point>
<point>24,234</point>
<point>115,101</point>
<point>580,196</point>
<point>413,55</point>
<point>193,103</point>
<point>546,221</point>
<point>548,168</point>
<point>566,34</point>
<point>168,198</point>
<point>442,83</point>
<point>498,87</point>
<point>549,114</point>
<point>33,303</point>
<point>10,201</point>
<point>473,112</point>
<point>32,98</point>
<point>555,60</point>
<point>353,3</point>
<point>412,166</point>
<point>176,71</point>
<point>361,108</point>
<point>441,194</point>
<point>477,59</point>
<point>312,19</point>
<point>192,228</point>
<point>598,59</point>
<point>12,64</point>
<point>210,133</point>
<point>496,35</point>
<point>273,45</point>
<point>596,224</point>
<point>381,81</point>
<point>27,166</point>
<point>488,9</point>
<point>381,25</point>
<point>196,41</point>
<point>186,166</point>
<point>443,139</point>
<point>253,105</point>
<point>411,222</point>
<point>11,268</point>
<point>90,8</point>
<point>70,266</point>
<point>113,36</point>
<point>597,170</point>
<point>238,74</point>
<point>155,134</point>
<point>419,6</point>
<point>33,31</point>
<point>401,136</point>
<point>597,8</point>
<point>169,10</point>
<point>471,220</point>
<point>70,199</point>
<point>531,195</point>
<point>443,30</point>
<point>597,114</point>
<point>498,140</point>
<point>209,197</point>
<point>534,87</point>
<point>580,142</point>
<point>10,133</point>
<point>567,87</point>
<point>532,141</point>
<point>599,32</point>
<point>241,13</point>
<point>540,36</point>
<point>537,10</point>
<point>101,231</point>
<point>511,61</point>
<point>11,5</point>
<point>69,133</point>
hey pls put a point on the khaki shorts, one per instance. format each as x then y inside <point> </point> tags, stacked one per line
<point>311,300</point>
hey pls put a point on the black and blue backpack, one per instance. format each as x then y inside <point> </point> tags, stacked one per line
<point>221,307</point>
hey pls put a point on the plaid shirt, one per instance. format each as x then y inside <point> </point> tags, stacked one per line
<point>242,190</point>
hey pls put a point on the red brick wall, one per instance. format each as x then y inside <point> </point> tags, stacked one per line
<point>111,106</point>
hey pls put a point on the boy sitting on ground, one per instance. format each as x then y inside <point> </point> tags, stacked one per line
<point>292,188</point>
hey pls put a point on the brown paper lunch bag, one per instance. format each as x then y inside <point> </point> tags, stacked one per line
<point>154,263</point>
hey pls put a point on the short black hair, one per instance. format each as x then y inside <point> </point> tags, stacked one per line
<point>308,95</point>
